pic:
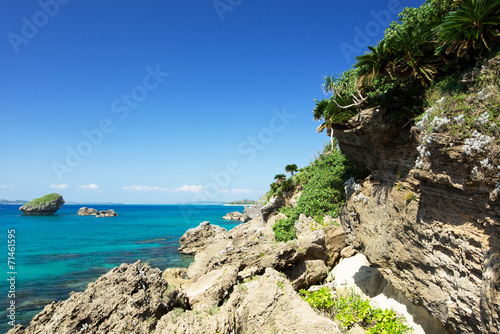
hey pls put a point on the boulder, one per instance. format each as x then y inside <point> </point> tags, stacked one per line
<point>272,206</point>
<point>109,213</point>
<point>46,205</point>
<point>253,211</point>
<point>129,298</point>
<point>209,290</point>
<point>235,215</point>
<point>87,211</point>
<point>306,273</point>
<point>197,238</point>
<point>175,276</point>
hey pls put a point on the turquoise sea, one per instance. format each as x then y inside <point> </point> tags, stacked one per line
<point>57,254</point>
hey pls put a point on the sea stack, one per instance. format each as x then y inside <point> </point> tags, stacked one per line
<point>46,205</point>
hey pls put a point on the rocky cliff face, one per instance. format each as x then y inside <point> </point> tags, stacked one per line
<point>433,232</point>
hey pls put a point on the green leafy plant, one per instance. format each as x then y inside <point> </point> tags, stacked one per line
<point>291,168</point>
<point>321,300</point>
<point>323,191</point>
<point>470,29</point>
<point>350,309</point>
<point>410,196</point>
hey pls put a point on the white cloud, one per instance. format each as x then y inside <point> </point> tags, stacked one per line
<point>237,191</point>
<point>143,188</point>
<point>59,186</point>
<point>6,186</point>
<point>193,188</point>
<point>91,186</point>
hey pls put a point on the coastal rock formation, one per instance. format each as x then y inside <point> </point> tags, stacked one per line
<point>87,212</point>
<point>253,211</point>
<point>264,304</point>
<point>46,205</point>
<point>272,206</point>
<point>109,213</point>
<point>199,237</point>
<point>93,212</point>
<point>251,249</point>
<point>235,215</point>
<point>242,281</point>
<point>433,232</point>
<point>129,298</point>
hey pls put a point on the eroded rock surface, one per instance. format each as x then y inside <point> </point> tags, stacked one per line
<point>108,213</point>
<point>87,211</point>
<point>440,246</point>
<point>129,298</point>
<point>264,304</point>
<point>199,237</point>
<point>46,205</point>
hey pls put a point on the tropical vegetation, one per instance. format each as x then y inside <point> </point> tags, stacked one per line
<point>43,200</point>
<point>428,44</point>
<point>323,192</point>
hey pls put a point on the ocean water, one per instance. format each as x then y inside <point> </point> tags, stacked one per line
<point>57,254</point>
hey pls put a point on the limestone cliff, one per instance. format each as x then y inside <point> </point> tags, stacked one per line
<point>433,232</point>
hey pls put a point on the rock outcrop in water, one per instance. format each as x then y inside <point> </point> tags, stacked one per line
<point>108,213</point>
<point>433,233</point>
<point>46,205</point>
<point>87,211</point>
<point>94,212</point>
<point>235,215</point>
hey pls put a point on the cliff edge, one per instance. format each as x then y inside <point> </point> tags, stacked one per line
<point>431,227</point>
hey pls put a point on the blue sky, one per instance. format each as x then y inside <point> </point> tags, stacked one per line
<point>169,101</point>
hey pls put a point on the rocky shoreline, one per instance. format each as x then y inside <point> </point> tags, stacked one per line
<point>241,281</point>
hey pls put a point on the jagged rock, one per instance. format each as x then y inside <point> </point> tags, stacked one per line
<point>306,273</point>
<point>348,251</point>
<point>87,211</point>
<point>265,304</point>
<point>109,213</point>
<point>246,248</point>
<point>197,238</point>
<point>272,206</point>
<point>209,290</point>
<point>46,205</point>
<point>253,211</point>
<point>335,241</point>
<point>441,249</point>
<point>175,276</point>
<point>129,298</point>
<point>235,215</point>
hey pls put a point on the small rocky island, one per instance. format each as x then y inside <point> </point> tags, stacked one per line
<point>235,215</point>
<point>46,205</point>
<point>94,212</point>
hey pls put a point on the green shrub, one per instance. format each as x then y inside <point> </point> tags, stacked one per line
<point>321,300</point>
<point>351,308</point>
<point>284,230</point>
<point>43,200</point>
<point>410,196</point>
<point>323,191</point>
<point>287,185</point>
